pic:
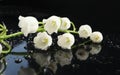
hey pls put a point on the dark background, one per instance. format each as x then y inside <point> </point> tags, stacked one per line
<point>102,15</point>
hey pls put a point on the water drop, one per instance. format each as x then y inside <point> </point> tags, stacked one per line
<point>27,57</point>
<point>18,60</point>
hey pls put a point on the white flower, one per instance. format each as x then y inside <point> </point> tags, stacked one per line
<point>65,23</point>
<point>52,24</point>
<point>42,41</point>
<point>95,49</point>
<point>96,37</point>
<point>28,24</point>
<point>0,48</point>
<point>66,40</point>
<point>85,31</point>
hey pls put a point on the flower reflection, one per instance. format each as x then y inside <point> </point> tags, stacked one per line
<point>2,66</point>
<point>95,49</point>
<point>53,66</point>
<point>42,59</point>
<point>82,54</point>
<point>26,71</point>
<point>63,57</point>
<point>49,61</point>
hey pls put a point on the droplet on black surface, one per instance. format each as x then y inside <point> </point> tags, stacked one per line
<point>27,57</point>
<point>18,60</point>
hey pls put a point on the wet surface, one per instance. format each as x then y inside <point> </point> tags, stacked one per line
<point>92,58</point>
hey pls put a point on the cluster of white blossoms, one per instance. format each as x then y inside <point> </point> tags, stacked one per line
<point>85,31</point>
<point>51,25</point>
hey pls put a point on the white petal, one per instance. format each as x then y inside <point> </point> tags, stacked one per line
<point>96,37</point>
<point>28,24</point>
<point>42,41</point>
<point>66,40</point>
<point>52,24</point>
<point>65,23</point>
<point>85,31</point>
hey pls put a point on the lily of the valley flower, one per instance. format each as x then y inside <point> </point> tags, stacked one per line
<point>52,24</point>
<point>42,41</point>
<point>85,31</point>
<point>96,37</point>
<point>65,23</point>
<point>66,40</point>
<point>28,24</point>
<point>0,48</point>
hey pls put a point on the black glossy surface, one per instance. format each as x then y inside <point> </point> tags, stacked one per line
<point>101,16</point>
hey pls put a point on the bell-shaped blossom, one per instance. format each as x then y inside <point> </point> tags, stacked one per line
<point>66,40</point>
<point>52,24</point>
<point>28,24</point>
<point>96,37</point>
<point>65,23</point>
<point>85,31</point>
<point>42,41</point>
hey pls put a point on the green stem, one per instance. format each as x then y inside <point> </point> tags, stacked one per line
<point>12,35</point>
<point>19,33</point>
<point>41,23</point>
<point>81,44</point>
<point>73,25</point>
<point>7,45</point>
<point>20,53</point>
<point>68,31</point>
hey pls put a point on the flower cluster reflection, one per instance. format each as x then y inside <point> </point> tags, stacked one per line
<point>44,39</point>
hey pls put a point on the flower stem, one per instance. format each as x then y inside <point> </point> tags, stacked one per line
<point>19,33</point>
<point>81,44</point>
<point>41,23</point>
<point>73,25</point>
<point>7,45</point>
<point>68,31</point>
<point>12,35</point>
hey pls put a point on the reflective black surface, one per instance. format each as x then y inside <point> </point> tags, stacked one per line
<point>102,16</point>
